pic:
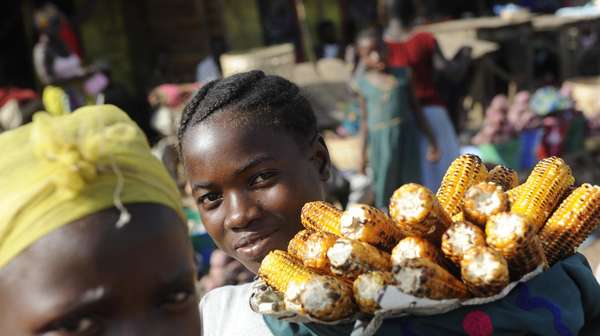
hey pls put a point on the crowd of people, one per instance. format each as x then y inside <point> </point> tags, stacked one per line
<point>96,223</point>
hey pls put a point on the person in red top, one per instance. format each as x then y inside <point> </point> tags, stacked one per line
<point>418,51</point>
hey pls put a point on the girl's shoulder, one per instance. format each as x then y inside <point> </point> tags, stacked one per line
<point>226,311</point>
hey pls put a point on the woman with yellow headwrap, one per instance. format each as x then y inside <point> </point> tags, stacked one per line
<point>92,236</point>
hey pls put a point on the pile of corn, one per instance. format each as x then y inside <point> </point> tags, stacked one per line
<point>479,232</point>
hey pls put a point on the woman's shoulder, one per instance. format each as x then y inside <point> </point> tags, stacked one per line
<point>223,301</point>
<point>423,35</point>
<point>229,293</point>
<point>423,39</point>
<point>226,311</point>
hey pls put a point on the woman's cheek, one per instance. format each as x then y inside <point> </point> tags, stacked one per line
<point>280,200</point>
<point>214,226</point>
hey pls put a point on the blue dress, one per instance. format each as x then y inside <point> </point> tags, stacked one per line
<point>393,141</point>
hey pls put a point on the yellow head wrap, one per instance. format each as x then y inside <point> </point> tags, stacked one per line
<point>59,169</point>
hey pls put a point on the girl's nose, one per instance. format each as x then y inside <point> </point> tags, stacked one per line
<point>242,210</point>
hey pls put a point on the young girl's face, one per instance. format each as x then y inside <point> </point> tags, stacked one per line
<point>91,278</point>
<point>250,183</point>
<point>371,54</point>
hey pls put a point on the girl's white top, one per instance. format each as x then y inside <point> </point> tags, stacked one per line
<point>226,311</point>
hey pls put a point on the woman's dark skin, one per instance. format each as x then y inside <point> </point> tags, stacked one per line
<point>250,183</point>
<point>91,278</point>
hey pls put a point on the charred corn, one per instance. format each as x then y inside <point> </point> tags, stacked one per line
<point>543,190</point>
<point>503,176</point>
<point>416,212</point>
<point>370,225</point>
<point>415,247</point>
<point>425,279</point>
<point>459,217</point>
<point>311,248</point>
<point>514,193</point>
<point>482,201</point>
<point>517,241</point>
<point>464,172</point>
<point>576,217</point>
<point>564,195</point>
<point>297,245</point>
<point>350,258</point>
<point>368,287</point>
<point>321,216</point>
<point>484,271</point>
<point>307,292</point>
<point>459,238</point>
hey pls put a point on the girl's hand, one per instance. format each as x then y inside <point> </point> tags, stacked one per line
<point>433,153</point>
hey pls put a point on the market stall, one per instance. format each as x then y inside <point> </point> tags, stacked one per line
<point>568,38</point>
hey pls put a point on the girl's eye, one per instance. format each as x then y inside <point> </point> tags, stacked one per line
<point>176,299</point>
<point>209,199</point>
<point>263,178</point>
<point>80,326</point>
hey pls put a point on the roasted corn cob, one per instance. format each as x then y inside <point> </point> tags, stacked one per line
<point>459,217</point>
<point>464,172</point>
<point>265,299</point>
<point>368,287</point>
<point>564,195</point>
<point>484,271</point>
<point>350,258</point>
<point>459,238</point>
<point>571,223</point>
<point>321,216</point>
<point>503,176</point>
<point>482,201</point>
<point>297,245</point>
<point>320,296</point>
<point>543,189</point>
<point>517,241</point>
<point>514,193</point>
<point>370,225</point>
<point>423,278</point>
<point>311,248</point>
<point>415,247</point>
<point>416,212</point>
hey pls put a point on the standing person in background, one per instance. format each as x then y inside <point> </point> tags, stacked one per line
<point>55,59</point>
<point>209,68</point>
<point>328,46</point>
<point>57,65</point>
<point>419,51</point>
<point>391,119</point>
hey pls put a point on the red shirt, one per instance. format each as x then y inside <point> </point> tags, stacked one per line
<point>417,53</point>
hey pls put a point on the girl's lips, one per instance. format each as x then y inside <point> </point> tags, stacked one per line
<point>255,247</point>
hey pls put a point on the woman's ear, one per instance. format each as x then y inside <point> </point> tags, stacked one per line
<point>320,158</point>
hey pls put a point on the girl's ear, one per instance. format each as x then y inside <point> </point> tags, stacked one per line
<point>320,158</point>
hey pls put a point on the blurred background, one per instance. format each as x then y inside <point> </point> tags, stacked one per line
<point>519,80</point>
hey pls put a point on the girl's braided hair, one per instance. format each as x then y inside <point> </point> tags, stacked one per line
<point>258,99</point>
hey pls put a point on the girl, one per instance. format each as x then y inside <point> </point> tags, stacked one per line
<point>92,237</point>
<point>391,121</point>
<point>419,51</point>
<point>253,156</point>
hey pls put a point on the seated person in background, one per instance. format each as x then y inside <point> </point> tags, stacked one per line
<point>92,236</point>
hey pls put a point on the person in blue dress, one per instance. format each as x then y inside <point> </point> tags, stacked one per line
<point>392,120</point>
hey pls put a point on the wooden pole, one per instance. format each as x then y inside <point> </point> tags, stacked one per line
<point>305,37</point>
